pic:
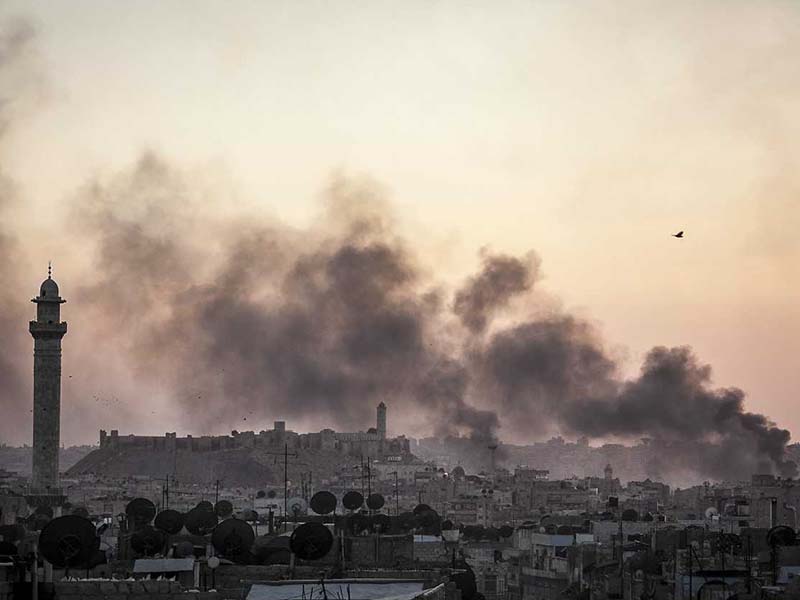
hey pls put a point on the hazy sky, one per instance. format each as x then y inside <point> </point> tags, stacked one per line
<point>587,131</point>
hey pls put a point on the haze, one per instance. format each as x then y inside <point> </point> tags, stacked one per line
<point>588,132</point>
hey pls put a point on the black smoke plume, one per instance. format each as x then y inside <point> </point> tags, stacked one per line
<point>500,279</point>
<point>250,317</point>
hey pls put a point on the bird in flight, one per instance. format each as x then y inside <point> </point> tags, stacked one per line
<point>678,235</point>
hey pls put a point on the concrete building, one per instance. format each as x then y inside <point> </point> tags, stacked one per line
<point>47,331</point>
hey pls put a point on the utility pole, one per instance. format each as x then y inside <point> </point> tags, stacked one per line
<point>396,498</point>
<point>361,469</point>
<point>285,486</point>
<point>369,479</point>
<point>286,456</point>
<point>216,492</point>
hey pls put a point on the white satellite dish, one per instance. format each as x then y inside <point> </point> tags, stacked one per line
<point>296,506</point>
<point>711,512</point>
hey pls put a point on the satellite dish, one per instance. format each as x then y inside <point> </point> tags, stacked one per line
<point>428,520</point>
<point>381,523</point>
<point>169,521</point>
<point>68,541</point>
<point>422,508</point>
<point>248,514</point>
<point>375,501</point>
<point>224,509</point>
<point>311,541</point>
<point>353,500</point>
<point>323,503</point>
<point>451,535</point>
<point>147,541</point>
<point>711,512</point>
<point>200,521</point>
<point>296,506</point>
<point>782,535</point>
<point>140,512</point>
<point>233,538</point>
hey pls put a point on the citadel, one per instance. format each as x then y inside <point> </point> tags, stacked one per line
<point>372,442</point>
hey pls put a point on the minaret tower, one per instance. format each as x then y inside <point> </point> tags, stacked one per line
<point>381,421</point>
<point>47,331</point>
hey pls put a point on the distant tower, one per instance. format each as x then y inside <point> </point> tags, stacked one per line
<point>382,421</point>
<point>608,472</point>
<point>47,331</point>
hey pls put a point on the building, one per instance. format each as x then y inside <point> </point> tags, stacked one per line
<point>372,442</point>
<point>47,331</point>
<point>551,563</point>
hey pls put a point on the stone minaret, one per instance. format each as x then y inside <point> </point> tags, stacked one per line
<point>47,331</point>
<point>382,421</point>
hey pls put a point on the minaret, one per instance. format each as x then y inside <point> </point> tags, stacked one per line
<point>47,331</point>
<point>381,421</point>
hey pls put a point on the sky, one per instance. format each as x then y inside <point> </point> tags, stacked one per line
<point>585,131</point>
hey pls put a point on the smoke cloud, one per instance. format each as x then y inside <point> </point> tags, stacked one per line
<point>500,279</point>
<point>243,318</point>
<point>18,81</point>
<point>225,317</point>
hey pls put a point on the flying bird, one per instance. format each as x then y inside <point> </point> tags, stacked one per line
<point>678,235</point>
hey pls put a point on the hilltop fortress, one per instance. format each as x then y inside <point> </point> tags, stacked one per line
<point>240,456</point>
<point>372,442</point>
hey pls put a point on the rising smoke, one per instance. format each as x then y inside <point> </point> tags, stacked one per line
<point>244,317</point>
<point>265,320</point>
<point>18,90</point>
